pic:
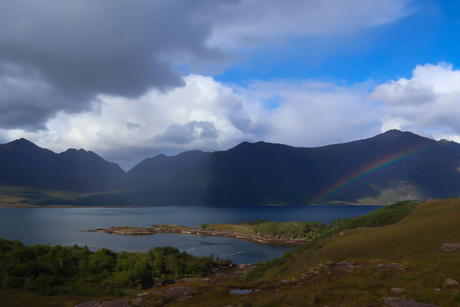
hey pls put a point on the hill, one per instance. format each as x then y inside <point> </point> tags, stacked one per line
<point>24,164</point>
<point>386,168</point>
<point>401,264</point>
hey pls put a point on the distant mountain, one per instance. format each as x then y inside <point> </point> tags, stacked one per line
<point>24,164</point>
<point>391,166</point>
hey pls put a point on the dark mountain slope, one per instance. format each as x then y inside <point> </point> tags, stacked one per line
<point>388,167</point>
<point>24,164</point>
<point>161,167</point>
<point>392,166</point>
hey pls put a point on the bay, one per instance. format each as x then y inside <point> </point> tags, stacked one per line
<point>64,226</point>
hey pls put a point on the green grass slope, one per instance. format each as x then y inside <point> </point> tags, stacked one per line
<point>364,266</point>
<point>420,235</point>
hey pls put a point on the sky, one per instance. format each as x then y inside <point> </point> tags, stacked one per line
<point>133,79</point>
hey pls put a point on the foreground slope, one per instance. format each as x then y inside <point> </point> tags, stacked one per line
<point>396,264</point>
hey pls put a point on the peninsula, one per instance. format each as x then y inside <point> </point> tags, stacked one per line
<point>244,231</point>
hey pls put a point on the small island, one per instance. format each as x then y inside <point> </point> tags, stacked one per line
<point>281,233</point>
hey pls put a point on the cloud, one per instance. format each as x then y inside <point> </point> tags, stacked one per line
<point>250,22</point>
<point>311,113</point>
<point>427,103</point>
<point>187,133</point>
<point>208,115</point>
<point>59,56</point>
<point>204,114</point>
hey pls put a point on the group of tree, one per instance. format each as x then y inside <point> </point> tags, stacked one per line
<point>294,230</point>
<point>56,270</point>
<point>314,230</point>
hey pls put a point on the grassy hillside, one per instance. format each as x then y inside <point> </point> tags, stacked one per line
<point>360,267</point>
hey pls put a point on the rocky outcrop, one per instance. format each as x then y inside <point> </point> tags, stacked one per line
<point>450,282</point>
<point>449,247</point>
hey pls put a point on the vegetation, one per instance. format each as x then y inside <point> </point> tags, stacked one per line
<point>313,230</point>
<point>295,230</point>
<point>379,256</point>
<point>392,252</point>
<point>26,197</point>
<point>78,271</point>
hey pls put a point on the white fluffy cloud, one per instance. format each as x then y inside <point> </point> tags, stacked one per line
<point>427,103</point>
<point>208,115</point>
<point>204,114</point>
<point>311,113</point>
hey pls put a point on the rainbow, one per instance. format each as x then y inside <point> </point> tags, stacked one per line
<point>370,168</point>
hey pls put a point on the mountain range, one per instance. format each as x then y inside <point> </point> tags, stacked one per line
<point>391,166</point>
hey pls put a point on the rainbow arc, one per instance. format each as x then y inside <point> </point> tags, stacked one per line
<point>371,168</point>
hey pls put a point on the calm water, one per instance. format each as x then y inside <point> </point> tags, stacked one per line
<point>62,225</point>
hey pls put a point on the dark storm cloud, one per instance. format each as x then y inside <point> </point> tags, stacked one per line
<point>185,134</point>
<point>65,53</point>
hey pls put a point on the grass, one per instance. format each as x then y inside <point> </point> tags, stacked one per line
<point>24,197</point>
<point>306,277</point>
<point>239,228</point>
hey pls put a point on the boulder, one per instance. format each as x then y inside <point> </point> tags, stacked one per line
<point>450,282</point>
<point>449,247</point>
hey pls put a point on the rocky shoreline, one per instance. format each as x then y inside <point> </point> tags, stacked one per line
<point>127,230</point>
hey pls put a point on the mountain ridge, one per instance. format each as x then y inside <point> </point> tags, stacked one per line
<point>388,167</point>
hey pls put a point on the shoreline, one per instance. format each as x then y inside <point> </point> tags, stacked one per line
<point>128,230</point>
<point>216,206</point>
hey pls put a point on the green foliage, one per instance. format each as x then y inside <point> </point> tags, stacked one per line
<point>79,271</point>
<point>261,268</point>
<point>384,216</point>
<point>295,230</point>
<point>254,222</point>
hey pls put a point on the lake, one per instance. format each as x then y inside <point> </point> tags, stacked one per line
<point>63,226</point>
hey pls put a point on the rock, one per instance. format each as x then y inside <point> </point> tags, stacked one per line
<point>449,247</point>
<point>342,266</point>
<point>178,293</point>
<point>392,266</point>
<point>398,291</point>
<point>450,282</point>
